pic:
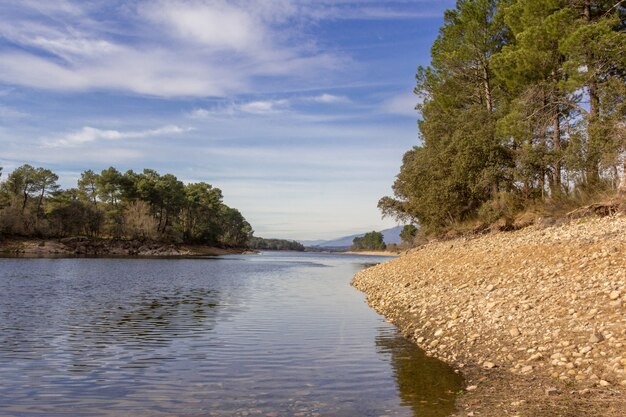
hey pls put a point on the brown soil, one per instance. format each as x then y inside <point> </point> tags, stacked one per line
<point>534,319</point>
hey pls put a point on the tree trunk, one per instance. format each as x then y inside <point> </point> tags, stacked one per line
<point>40,203</point>
<point>556,179</point>
<point>621,190</point>
<point>593,145</point>
<point>487,87</point>
<point>24,201</point>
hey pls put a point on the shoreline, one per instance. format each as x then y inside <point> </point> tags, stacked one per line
<point>372,253</point>
<point>535,320</point>
<point>75,247</point>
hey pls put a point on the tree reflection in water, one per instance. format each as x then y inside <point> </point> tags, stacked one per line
<point>425,384</point>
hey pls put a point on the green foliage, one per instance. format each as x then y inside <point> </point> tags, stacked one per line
<point>260,243</point>
<point>146,206</point>
<point>524,101</point>
<point>408,233</point>
<point>371,241</point>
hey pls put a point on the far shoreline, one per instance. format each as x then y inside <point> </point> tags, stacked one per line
<point>372,253</point>
<point>84,247</point>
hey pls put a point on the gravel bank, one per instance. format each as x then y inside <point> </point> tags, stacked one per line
<point>535,319</point>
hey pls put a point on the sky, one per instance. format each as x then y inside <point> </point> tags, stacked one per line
<point>298,110</point>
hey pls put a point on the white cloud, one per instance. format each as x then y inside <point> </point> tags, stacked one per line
<point>89,134</point>
<point>187,48</point>
<point>373,10</point>
<point>402,104</point>
<point>217,25</point>
<point>265,106</point>
<point>199,113</point>
<point>330,99</point>
<point>11,113</point>
<point>259,107</point>
<point>54,8</point>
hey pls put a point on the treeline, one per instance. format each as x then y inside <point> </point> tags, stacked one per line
<point>109,204</point>
<point>523,105</point>
<point>370,241</point>
<point>259,243</point>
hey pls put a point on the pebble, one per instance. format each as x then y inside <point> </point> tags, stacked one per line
<point>596,338</point>
<point>516,298</point>
<point>526,369</point>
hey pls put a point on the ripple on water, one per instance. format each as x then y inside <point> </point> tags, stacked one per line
<point>269,335</point>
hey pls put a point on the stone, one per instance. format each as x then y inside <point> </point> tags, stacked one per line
<point>604,383</point>
<point>614,295</point>
<point>471,388</point>
<point>552,391</point>
<point>439,333</point>
<point>514,331</point>
<point>488,365</point>
<point>526,369</point>
<point>596,338</point>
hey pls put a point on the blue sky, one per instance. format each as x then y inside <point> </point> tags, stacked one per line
<point>300,111</point>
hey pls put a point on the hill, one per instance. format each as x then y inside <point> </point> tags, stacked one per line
<point>390,236</point>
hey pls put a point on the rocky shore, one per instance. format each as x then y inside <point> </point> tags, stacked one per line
<point>534,319</point>
<point>84,246</point>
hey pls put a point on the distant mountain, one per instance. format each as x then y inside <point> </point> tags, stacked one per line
<point>389,235</point>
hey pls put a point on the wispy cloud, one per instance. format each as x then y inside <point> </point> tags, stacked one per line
<point>178,48</point>
<point>402,104</point>
<point>329,99</point>
<point>264,106</point>
<point>11,113</point>
<point>216,25</point>
<point>258,107</point>
<point>372,9</point>
<point>90,134</point>
<point>169,48</point>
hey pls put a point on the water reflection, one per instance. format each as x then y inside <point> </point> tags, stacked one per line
<point>425,384</point>
<point>152,319</point>
<point>261,335</point>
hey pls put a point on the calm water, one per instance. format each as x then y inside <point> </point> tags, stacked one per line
<point>277,334</point>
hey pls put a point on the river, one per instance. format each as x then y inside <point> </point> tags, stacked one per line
<point>275,334</point>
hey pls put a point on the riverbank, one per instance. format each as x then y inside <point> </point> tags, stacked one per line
<point>371,253</point>
<point>83,246</point>
<point>534,319</point>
